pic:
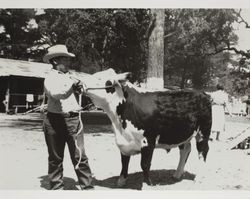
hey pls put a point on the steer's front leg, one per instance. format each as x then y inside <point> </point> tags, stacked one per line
<point>124,172</point>
<point>146,157</point>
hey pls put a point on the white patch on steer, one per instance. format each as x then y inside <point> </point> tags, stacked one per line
<point>133,131</point>
<point>129,140</point>
<point>144,142</point>
<point>198,136</point>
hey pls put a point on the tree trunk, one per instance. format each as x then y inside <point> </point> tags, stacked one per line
<point>156,50</point>
<point>183,78</point>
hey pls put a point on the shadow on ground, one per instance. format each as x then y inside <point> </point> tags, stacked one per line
<point>159,177</point>
<point>91,123</point>
<point>28,125</point>
<point>69,183</point>
<point>32,123</point>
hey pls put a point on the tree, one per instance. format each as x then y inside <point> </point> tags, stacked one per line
<point>195,36</point>
<point>156,50</point>
<point>197,41</point>
<point>17,33</point>
<point>100,38</point>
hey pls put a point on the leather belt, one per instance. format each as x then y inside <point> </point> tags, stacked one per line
<point>217,104</point>
<point>66,115</point>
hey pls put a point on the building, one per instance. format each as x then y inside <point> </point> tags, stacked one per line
<point>21,84</point>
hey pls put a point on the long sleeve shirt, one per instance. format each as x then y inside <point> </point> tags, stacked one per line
<point>58,88</point>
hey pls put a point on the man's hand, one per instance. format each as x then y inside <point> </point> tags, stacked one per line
<point>78,87</point>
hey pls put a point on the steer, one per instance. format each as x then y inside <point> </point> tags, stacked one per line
<point>144,120</point>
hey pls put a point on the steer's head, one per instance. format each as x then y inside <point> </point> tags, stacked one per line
<point>105,88</point>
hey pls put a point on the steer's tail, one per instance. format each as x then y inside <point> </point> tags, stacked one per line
<point>205,123</point>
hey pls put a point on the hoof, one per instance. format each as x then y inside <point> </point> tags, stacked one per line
<point>121,182</point>
<point>148,181</point>
<point>177,176</point>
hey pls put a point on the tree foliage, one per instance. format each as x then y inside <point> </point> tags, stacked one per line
<point>99,37</point>
<point>198,34</point>
<point>17,33</point>
<point>197,41</point>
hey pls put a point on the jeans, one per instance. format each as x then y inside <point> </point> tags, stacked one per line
<point>58,131</point>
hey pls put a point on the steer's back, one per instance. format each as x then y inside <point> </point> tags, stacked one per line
<point>173,116</point>
<point>180,113</point>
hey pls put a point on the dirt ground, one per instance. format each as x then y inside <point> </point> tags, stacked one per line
<point>24,158</point>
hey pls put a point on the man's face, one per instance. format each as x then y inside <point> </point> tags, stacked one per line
<point>63,64</point>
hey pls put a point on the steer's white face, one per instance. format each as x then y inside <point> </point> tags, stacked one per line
<point>129,139</point>
<point>101,97</point>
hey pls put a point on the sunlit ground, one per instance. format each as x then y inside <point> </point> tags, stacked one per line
<point>23,155</point>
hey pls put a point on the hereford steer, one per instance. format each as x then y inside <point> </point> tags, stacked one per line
<point>143,120</point>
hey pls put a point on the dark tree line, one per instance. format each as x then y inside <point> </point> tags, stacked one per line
<point>197,42</point>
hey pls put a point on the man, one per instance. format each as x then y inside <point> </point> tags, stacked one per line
<point>61,122</point>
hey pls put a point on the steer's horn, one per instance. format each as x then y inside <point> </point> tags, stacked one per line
<point>123,76</point>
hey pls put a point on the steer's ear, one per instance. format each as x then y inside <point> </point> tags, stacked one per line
<point>123,77</point>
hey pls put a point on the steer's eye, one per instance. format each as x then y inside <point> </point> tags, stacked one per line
<point>109,87</point>
<point>108,83</point>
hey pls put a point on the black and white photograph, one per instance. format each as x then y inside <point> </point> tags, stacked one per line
<point>115,99</point>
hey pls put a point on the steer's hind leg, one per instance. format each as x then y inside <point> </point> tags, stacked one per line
<point>184,153</point>
<point>146,157</point>
<point>124,172</point>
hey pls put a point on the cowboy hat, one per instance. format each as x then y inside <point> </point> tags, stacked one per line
<point>57,51</point>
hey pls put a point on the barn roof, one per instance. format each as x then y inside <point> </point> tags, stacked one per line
<point>23,68</point>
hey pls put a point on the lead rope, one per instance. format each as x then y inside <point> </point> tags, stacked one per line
<point>80,119</point>
<point>79,131</point>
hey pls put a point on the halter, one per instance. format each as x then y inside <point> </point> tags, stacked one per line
<point>99,88</point>
<point>92,88</point>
